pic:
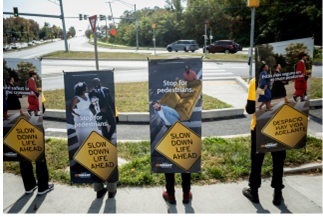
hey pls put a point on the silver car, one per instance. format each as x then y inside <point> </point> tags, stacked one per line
<point>183,45</point>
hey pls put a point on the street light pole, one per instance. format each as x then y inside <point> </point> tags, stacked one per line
<point>205,38</point>
<point>136,24</point>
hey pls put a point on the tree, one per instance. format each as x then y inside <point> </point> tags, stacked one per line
<point>291,57</point>
<point>23,68</point>
<point>72,31</point>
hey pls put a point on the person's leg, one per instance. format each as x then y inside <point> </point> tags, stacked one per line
<point>26,170</point>
<point>186,183</point>
<point>170,183</point>
<point>261,105</point>
<point>98,186</point>
<point>21,113</point>
<point>42,176</point>
<point>112,189</point>
<point>277,180</point>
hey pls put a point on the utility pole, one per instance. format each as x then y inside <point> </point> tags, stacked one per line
<point>136,24</point>
<point>154,39</point>
<point>63,21</point>
<point>211,36</point>
<point>252,4</point>
<point>205,36</point>
<point>114,39</point>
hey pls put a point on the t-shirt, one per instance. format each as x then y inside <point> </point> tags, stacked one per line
<point>161,114</point>
<point>191,76</point>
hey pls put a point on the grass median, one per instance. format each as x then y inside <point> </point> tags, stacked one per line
<point>129,97</point>
<point>223,160</point>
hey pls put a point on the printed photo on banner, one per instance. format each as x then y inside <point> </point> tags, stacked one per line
<point>91,126</point>
<point>22,110</point>
<point>283,77</point>
<point>175,102</point>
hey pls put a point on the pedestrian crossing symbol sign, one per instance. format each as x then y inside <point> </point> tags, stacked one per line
<point>25,139</point>
<point>180,145</point>
<point>98,155</point>
<point>288,126</point>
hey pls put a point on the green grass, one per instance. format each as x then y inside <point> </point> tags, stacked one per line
<point>223,160</point>
<point>101,55</point>
<point>316,88</point>
<point>102,43</point>
<point>130,97</point>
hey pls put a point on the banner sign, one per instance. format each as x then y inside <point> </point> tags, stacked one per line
<point>91,126</point>
<point>283,71</point>
<point>23,132</point>
<point>175,95</point>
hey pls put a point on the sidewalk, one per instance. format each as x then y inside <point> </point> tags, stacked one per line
<point>302,194</point>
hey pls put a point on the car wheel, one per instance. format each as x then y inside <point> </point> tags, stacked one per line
<point>192,51</point>
<point>226,51</point>
<point>169,49</point>
<point>176,50</point>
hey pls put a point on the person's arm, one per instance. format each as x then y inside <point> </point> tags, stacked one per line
<point>251,100</point>
<point>31,86</point>
<point>72,105</point>
<point>110,101</point>
<point>175,113</point>
<point>194,75</point>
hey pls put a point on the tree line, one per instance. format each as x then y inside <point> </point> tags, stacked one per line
<point>275,20</point>
<point>18,29</point>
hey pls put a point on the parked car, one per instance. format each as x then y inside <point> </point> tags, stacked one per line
<point>184,45</point>
<point>6,47</point>
<point>34,42</point>
<point>14,46</point>
<point>30,43</point>
<point>41,40</point>
<point>226,46</point>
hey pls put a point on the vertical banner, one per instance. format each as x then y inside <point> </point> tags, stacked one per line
<point>23,137</point>
<point>91,126</point>
<point>175,95</point>
<point>283,77</point>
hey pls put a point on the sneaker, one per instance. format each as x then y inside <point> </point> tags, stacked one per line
<point>295,98</point>
<point>32,190</point>
<point>101,193</point>
<point>29,112</point>
<point>278,197</point>
<point>50,187</point>
<point>251,195</point>
<point>187,197</point>
<point>112,194</point>
<point>169,199</point>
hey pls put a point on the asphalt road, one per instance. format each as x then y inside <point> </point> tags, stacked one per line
<point>219,127</point>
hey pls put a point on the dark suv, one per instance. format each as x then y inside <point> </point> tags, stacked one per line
<point>226,46</point>
<point>183,45</point>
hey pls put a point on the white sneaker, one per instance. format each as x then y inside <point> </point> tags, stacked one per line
<point>50,187</point>
<point>32,190</point>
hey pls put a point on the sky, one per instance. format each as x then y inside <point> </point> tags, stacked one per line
<point>72,8</point>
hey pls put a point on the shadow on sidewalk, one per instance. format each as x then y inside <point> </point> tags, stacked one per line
<point>110,205</point>
<point>171,208</point>
<point>259,208</point>
<point>34,206</point>
<point>189,208</point>
<point>283,208</point>
<point>20,203</point>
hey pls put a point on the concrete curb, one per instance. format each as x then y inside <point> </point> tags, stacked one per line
<point>304,168</point>
<point>317,63</point>
<point>143,117</point>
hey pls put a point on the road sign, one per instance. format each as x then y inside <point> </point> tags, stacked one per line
<point>92,20</point>
<point>113,32</point>
<point>206,21</point>
<point>288,126</point>
<point>53,36</point>
<point>98,155</point>
<point>91,36</point>
<point>153,26</point>
<point>137,23</point>
<point>180,145</point>
<point>26,139</point>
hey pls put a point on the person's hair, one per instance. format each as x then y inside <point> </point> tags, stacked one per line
<point>96,79</point>
<point>276,65</point>
<point>79,88</point>
<point>154,102</point>
<point>32,74</point>
<point>9,79</point>
<point>262,67</point>
<point>301,56</point>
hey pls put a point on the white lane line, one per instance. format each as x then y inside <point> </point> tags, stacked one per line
<point>56,130</point>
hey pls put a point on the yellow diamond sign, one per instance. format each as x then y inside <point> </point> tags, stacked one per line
<point>25,139</point>
<point>98,155</point>
<point>288,126</point>
<point>180,145</point>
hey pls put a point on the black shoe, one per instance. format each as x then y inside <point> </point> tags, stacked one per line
<point>29,112</point>
<point>251,195</point>
<point>32,190</point>
<point>101,193</point>
<point>112,194</point>
<point>278,197</point>
<point>50,187</point>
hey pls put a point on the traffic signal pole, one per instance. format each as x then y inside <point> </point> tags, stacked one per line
<point>205,38</point>
<point>136,24</point>
<point>252,32</point>
<point>63,22</point>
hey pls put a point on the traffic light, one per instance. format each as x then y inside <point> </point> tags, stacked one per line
<point>15,12</point>
<point>102,17</point>
<point>80,16</point>
<point>85,17</point>
<point>109,17</point>
<point>206,21</point>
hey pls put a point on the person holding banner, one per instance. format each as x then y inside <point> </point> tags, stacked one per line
<point>301,82</point>
<point>264,83</point>
<point>33,98</point>
<point>257,159</point>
